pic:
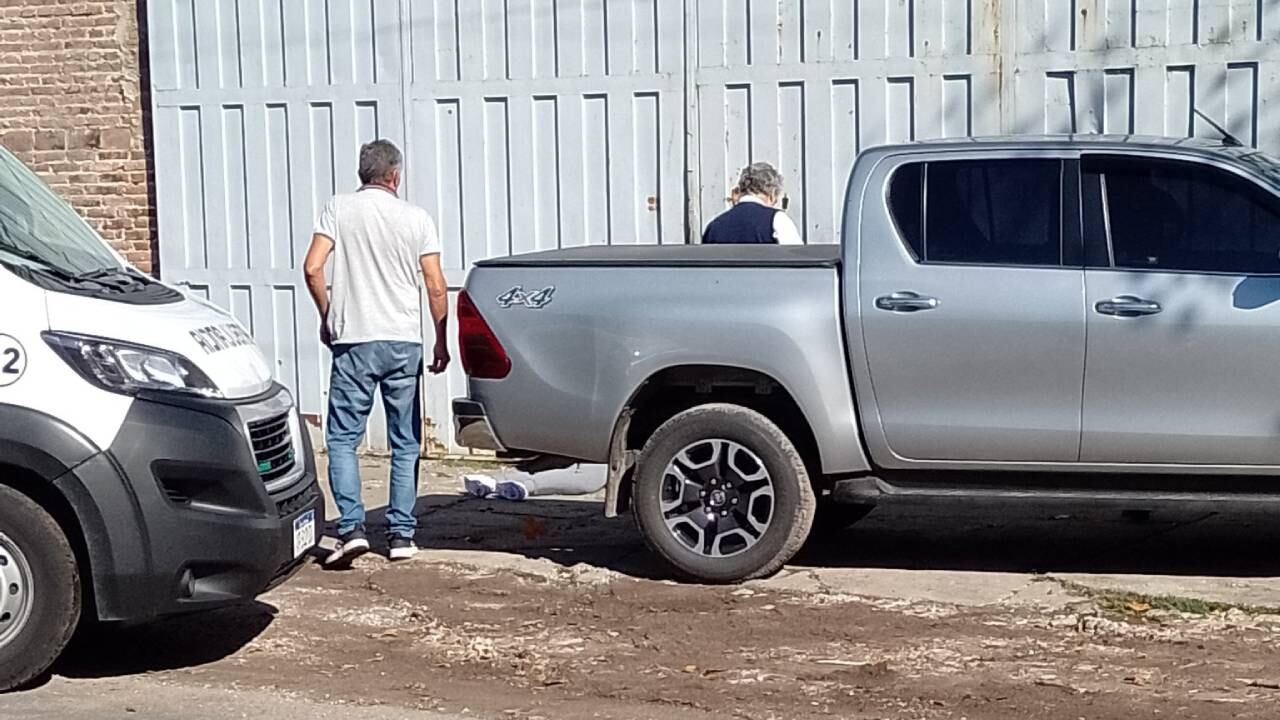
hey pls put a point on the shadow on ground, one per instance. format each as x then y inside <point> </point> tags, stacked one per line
<point>571,532</point>
<point>568,532</point>
<point>1087,540</point>
<point>188,641</point>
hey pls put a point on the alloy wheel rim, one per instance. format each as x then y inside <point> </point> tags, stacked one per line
<point>717,498</point>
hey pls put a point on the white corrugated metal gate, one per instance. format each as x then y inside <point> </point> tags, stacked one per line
<point>535,124</point>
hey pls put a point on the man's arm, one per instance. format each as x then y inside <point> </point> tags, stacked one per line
<point>438,302</point>
<point>313,268</point>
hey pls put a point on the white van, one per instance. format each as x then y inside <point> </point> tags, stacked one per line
<point>149,465</point>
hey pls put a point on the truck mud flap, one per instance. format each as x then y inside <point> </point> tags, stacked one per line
<point>621,462</point>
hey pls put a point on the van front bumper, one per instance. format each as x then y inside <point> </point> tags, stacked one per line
<point>194,505</point>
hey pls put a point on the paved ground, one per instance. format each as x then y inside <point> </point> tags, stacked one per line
<point>545,609</point>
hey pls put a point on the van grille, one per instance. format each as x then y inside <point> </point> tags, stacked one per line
<point>272,447</point>
<point>304,498</point>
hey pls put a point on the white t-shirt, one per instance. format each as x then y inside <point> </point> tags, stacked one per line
<point>784,228</point>
<point>378,241</point>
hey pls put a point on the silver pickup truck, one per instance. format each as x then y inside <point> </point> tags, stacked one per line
<point>1089,319</point>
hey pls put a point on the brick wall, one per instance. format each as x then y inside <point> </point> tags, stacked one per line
<point>71,107</point>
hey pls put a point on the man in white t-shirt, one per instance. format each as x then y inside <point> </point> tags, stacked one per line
<point>381,246</point>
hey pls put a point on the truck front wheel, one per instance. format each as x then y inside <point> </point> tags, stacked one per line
<point>39,590</point>
<point>722,495</point>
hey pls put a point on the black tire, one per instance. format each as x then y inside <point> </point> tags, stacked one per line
<point>792,507</point>
<point>53,609</point>
<point>834,518</point>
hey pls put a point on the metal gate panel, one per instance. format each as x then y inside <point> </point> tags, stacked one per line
<point>1142,66</point>
<point>549,125</point>
<point>805,84</point>
<point>258,107</point>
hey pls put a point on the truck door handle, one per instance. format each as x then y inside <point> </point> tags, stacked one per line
<point>906,301</point>
<point>1127,306</point>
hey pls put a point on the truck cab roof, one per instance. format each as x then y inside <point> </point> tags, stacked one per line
<point>1215,149</point>
<point>1090,141</point>
<point>1246,159</point>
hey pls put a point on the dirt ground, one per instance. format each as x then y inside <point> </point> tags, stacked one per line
<point>547,610</point>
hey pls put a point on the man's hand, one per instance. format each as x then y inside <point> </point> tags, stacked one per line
<point>438,302</point>
<point>440,359</point>
<point>326,335</point>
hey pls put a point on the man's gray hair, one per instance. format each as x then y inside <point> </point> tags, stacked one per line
<point>378,159</point>
<point>760,179</point>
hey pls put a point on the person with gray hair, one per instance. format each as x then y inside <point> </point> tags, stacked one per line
<point>381,247</point>
<point>757,215</point>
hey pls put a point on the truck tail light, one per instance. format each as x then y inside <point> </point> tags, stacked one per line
<point>483,357</point>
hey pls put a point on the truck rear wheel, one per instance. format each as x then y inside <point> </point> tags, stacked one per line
<point>722,495</point>
<point>39,590</point>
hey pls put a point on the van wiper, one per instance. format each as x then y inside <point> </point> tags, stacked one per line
<point>105,273</point>
<point>118,279</point>
<point>110,283</point>
<point>98,276</point>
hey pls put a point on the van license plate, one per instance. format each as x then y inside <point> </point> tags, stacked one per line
<point>304,533</point>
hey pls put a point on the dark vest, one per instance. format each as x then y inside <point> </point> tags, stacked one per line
<point>744,223</point>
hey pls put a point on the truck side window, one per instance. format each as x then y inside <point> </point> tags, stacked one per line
<point>1182,216</point>
<point>906,204</point>
<point>993,212</point>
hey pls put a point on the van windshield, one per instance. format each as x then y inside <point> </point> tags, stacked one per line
<point>38,229</point>
<point>43,241</point>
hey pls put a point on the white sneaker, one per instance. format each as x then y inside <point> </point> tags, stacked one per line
<point>350,546</point>
<point>402,549</point>
<point>481,486</point>
<point>513,490</point>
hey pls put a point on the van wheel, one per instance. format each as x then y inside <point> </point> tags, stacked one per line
<point>722,495</point>
<point>39,590</point>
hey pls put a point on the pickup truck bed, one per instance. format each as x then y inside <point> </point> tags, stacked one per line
<point>611,322</point>
<point>671,256</point>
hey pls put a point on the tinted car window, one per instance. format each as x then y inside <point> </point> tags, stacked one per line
<point>993,212</point>
<point>1169,215</point>
<point>906,204</point>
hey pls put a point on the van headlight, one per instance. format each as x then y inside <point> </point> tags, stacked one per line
<point>122,367</point>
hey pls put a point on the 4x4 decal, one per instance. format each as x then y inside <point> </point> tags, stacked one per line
<point>536,299</point>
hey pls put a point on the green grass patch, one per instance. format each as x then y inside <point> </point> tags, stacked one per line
<point>1132,604</point>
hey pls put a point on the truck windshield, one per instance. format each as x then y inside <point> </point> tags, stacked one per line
<point>40,232</point>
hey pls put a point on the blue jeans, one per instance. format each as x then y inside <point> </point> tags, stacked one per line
<point>395,368</point>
